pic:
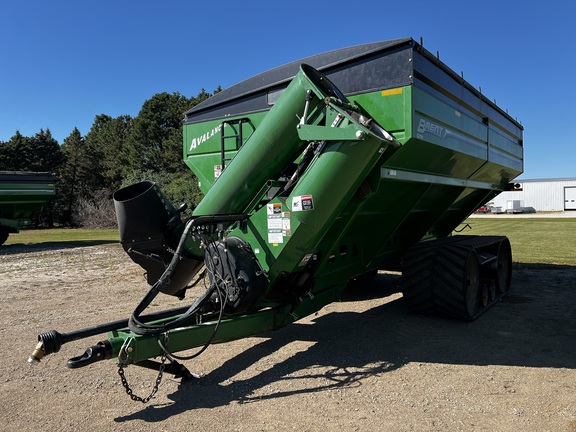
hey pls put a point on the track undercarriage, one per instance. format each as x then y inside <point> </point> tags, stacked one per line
<point>460,276</point>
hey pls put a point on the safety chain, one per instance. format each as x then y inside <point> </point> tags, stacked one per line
<point>129,390</point>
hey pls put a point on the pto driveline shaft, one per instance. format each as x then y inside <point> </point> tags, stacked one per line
<point>50,342</point>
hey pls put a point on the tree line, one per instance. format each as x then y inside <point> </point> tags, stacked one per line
<point>115,152</point>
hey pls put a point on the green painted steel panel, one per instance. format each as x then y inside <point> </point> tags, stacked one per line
<point>202,147</point>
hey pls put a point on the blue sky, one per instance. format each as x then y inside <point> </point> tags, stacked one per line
<point>64,62</point>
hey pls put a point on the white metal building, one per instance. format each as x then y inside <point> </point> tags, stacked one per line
<point>541,195</point>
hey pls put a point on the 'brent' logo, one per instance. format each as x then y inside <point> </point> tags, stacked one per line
<point>433,128</point>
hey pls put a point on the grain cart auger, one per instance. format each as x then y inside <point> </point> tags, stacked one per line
<point>316,173</point>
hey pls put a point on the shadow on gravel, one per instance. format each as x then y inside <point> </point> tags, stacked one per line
<point>19,248</point>
<point>534,326</point>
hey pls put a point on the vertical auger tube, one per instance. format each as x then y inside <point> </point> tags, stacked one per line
<point>273,146</point>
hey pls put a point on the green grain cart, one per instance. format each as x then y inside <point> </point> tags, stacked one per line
<point>21,195</point>
<point>315,174</point>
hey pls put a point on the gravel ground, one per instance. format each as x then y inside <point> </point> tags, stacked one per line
<point>362,364</point>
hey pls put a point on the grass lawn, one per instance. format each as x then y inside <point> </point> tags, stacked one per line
<point>64,235</point>
<point>534,240</point>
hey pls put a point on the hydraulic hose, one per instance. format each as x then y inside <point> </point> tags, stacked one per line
<point>134,324</point>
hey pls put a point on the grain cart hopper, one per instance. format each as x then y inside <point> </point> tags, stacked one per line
<point>22,194</point>
<point>314,174</point>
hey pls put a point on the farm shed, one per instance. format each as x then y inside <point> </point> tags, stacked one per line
<point>541,195</point>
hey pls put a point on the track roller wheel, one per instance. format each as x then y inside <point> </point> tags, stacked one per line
<point>472,289</point>
<point>504,270</point>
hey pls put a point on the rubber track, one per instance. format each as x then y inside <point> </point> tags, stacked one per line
<point>433,275</point>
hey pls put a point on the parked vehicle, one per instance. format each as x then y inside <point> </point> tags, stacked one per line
<point>21,195</point>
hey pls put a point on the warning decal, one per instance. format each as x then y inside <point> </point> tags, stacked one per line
<point>217,171</point>
<point>275,237</point>
<point>278,223</point>
<point>302,203</point>
<point>286,231</point>
<point>274,209</point>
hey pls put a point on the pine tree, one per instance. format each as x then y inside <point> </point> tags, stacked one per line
<point>109,137</point>
<point>47,155</point>
<point>79,176</point>
<point>157,133</point>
